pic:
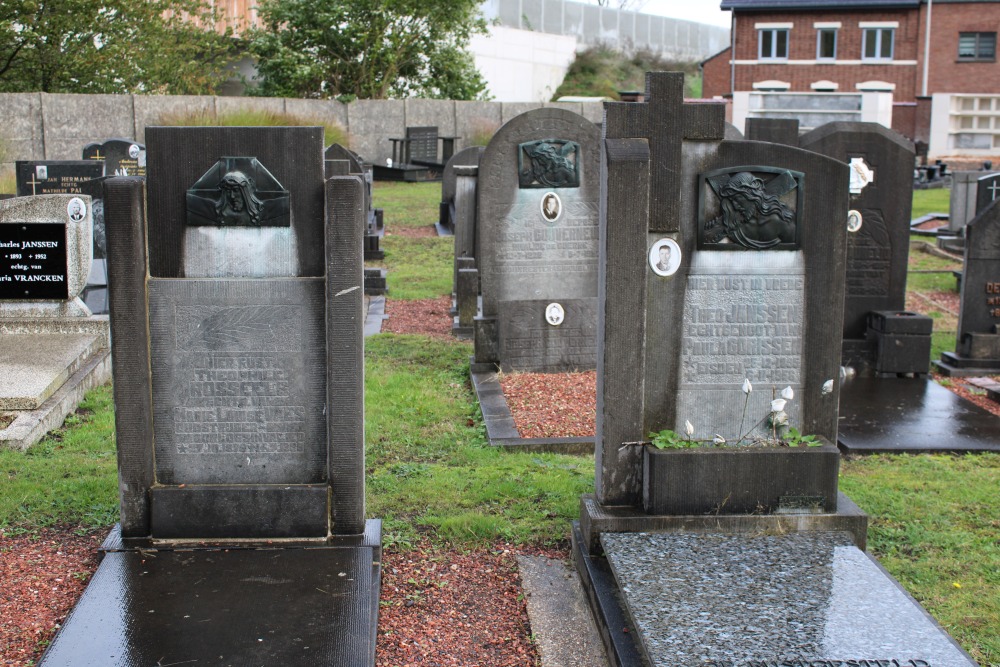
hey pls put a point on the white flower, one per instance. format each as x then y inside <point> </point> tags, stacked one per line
<point>747,387</point>
<point>778,404</point>
<point>787,393</point>
<point>828,387</point>
<point>718,440</point>
<point>688,428</point>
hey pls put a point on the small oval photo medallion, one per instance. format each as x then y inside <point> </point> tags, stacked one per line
<point>853,220</point>
<point>554,314</point>
<point>76,209</point>
<point>551,207</point>
<point>665,257</point>
<point>133,151</point>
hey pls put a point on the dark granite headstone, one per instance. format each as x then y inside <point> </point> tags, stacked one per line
<point>987,191</point>
<point>881,162</point>
<point>537,239</point>
<point>775,130</point>
<point>55,177</point>
<point>978,342</point>
<point>122,157</point>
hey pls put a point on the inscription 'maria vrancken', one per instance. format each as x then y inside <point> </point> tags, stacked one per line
<point>238,192</point>
<point>549,163</point>
<point>749,208</point>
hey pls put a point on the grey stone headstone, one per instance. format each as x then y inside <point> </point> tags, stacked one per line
<point>987,191</point>
<point>979,316</point>
<point>466,296</point>
<point>963,204</point>
<point>877,253</point>
<point>122,157</point>
<point>239,401</point>
<point>775,130</point>
<point>467,157</point>
<point>466,217</point>
<point>537,231</point>
<point>55,177</point>
<point>676,348</point>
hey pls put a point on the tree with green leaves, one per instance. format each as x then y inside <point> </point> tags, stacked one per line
<point>368,49</point>
<point>112,46</point>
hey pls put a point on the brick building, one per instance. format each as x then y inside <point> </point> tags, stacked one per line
<point>861,45</point>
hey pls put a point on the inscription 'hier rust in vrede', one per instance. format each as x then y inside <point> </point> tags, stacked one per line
<point>239,404</point>
<point>728,337</point>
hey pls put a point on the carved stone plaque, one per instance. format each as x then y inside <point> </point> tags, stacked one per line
<point>238,192</point>
<point>239,385</point>
<point>750,208</point>
<point>549,163</point>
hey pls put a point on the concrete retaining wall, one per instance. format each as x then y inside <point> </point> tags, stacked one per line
<point>39,126</point>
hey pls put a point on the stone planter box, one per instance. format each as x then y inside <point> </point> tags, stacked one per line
<point>734,480</point>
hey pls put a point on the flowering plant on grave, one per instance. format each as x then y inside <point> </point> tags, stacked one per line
<point>782,434</point>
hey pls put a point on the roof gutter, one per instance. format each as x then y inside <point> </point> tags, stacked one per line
<point>927,48</point>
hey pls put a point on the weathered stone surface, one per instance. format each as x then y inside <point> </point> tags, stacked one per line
<point>431,113</point>
<point>23,127</point>
<point>372,123</point>
<point>476,118</point>
<point>72,121</point>
<point>739,599</point>
<point>775,130</point>
<point>226,104</point>
<point>528,342</point>
<point>33,367</point>
<point>511,110</point>
<point>467,157</point>
<point>320,110</point>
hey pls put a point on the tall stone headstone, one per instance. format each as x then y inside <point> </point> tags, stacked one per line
<point>537,243</point>
<point>987,191</point>
<point>52,348</point>
<point>966,200</point>
<point>467,157</point>
<point>977,350</point>
<point>878,239</point>
<point>236,308</point>
<point>121,157</point>
<point>55,177</point>
<point>374,228</point>
<point>721,292</point>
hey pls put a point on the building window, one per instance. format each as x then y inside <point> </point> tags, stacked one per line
<point>877,44</point>
<point>774,44</point>
<point>977,46</point>
<point>826,44</point>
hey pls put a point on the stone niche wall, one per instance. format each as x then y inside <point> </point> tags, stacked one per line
<point>40,126</point>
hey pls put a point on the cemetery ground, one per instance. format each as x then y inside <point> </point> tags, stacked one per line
<point>456,511</point>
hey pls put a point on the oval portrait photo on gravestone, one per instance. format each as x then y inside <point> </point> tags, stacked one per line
<point>555,314</point>
<point>665,257</point>
<point>76,209</point>
<point>551,207</point>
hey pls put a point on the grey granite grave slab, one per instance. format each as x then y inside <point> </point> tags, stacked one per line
<point>912,415</point>
<point>812,598</point>
<point>315,606</point>
<point>529,342</point>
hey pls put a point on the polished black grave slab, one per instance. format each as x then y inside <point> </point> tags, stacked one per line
<point>911,415</point>
<point>291,606</point>
<point>809,598</point>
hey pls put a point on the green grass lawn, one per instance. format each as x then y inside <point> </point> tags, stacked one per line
<point>930,201</point>
<point>935,520</point>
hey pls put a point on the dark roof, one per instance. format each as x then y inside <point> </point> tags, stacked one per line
<point>817,4</point>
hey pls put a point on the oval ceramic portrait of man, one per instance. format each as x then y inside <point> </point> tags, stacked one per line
<point>551,206</point>
<point>665,257</point>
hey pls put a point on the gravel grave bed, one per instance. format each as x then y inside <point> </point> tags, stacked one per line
<point>552,405</point>
<point>413,232</point>
<point>971,393</point>
<point>430,317</point>
<point>438,606</point>
<point>42,575</point>
<point>931,224</point>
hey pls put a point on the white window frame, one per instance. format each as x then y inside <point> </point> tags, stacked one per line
<point>774,43</point>
<point>819,43</point>
<point>879,32</point>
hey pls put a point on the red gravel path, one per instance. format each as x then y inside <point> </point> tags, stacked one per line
<point>552,405</point>
<point>413,232</point>
<point>41,577</point>
<point>430,317</point>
